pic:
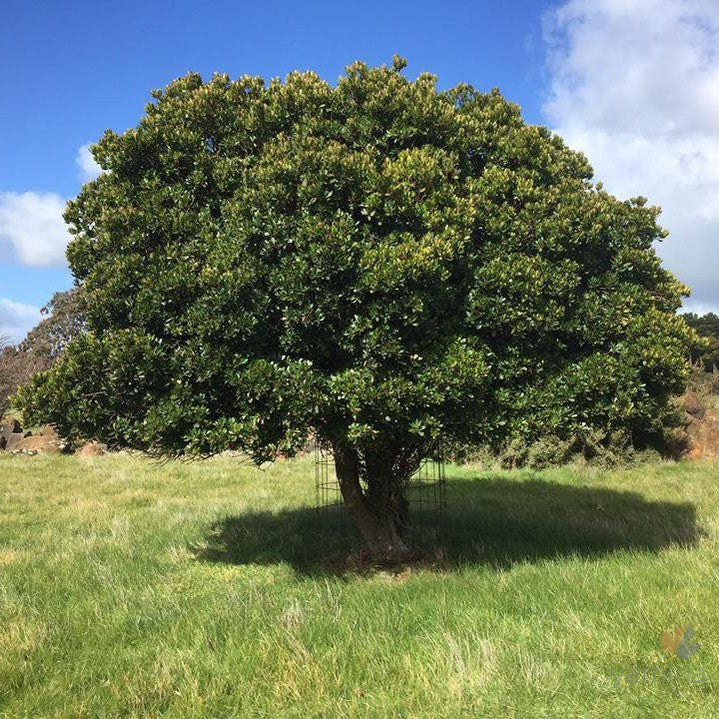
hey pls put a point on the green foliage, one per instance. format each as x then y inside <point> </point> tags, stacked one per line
<point>705,325</point>
<point>380,262</point>
<point>706,349</point>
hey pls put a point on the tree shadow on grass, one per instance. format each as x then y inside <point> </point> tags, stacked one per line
<point>491,520</point>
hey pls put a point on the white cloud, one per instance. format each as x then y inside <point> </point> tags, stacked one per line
<point>31,224</point>
<point>635,85</point>
<point>89,169</point>
<point>16,319</point>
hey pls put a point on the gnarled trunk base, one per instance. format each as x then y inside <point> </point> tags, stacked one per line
<point>380,516</point>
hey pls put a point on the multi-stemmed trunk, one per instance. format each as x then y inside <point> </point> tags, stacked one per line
<point>380,511</point>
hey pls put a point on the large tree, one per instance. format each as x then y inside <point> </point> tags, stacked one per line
<point>378,262</point>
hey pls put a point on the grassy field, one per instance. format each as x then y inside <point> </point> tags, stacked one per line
<point>135,589</point>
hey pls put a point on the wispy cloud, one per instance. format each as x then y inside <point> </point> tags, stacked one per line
<point>16,319</point>
<point>32,228</point>
<point>88,168</point>
<point>635,85</point>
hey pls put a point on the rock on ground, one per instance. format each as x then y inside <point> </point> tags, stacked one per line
<point>92,449</point>
<point>45,444</point>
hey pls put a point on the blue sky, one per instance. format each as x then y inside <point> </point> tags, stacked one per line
<point>74,69</point>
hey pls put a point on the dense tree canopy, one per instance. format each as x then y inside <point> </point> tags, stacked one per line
<point>379,262</point>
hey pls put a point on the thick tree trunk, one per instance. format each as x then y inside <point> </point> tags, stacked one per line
<point>381,516</point>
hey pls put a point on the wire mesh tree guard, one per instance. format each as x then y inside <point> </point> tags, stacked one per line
<point>425,492</point>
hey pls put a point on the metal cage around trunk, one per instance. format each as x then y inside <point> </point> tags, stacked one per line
<point>426,491</point>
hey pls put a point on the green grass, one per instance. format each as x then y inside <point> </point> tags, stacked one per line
<point>135,589</point>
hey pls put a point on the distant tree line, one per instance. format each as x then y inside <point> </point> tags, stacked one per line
<point>63,319</point>
<point>706,351</point>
